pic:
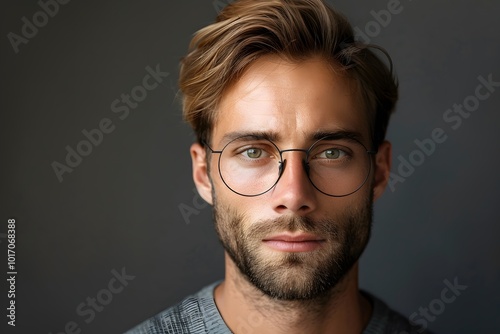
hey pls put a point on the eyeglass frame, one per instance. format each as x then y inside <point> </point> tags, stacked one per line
<point>282,164</point>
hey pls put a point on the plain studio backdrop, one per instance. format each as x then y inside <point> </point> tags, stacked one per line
<point>116,233</point>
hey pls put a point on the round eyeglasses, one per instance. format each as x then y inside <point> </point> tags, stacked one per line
<point>251,166</point>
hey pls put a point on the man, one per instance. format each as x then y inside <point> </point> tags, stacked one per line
<point>290,114</point>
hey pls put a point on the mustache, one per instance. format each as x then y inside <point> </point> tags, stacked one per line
<point>320,227</point>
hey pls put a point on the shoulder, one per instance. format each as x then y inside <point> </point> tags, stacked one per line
<point>191,315</point>
<point>387,321</point>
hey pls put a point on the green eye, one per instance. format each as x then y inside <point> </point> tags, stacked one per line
<point>333,153</point>
<point>254,153</point>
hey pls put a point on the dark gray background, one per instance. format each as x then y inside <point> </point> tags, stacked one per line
<point>120,207</point>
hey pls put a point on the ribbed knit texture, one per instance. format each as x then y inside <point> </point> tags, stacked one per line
<point>198,314</point>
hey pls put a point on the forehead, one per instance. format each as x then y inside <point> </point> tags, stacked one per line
<point>291,101</point>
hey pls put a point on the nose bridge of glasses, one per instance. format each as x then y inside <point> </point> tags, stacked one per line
<point>294,150</point>
<point>303,160</point>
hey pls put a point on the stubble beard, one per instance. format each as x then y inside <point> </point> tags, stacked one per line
<point>300,276</point>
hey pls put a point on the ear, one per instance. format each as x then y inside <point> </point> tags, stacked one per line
<point>200,172</point>
<point>383,161</point>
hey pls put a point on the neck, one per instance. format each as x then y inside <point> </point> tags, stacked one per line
<point>245,309</point>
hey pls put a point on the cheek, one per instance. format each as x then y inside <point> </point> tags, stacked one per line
<point>224,197</point>
<point>249,209</point>
<point>337,207</point>
<point>218,187</point>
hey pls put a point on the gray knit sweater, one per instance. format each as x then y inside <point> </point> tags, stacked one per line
<point>198,314</point>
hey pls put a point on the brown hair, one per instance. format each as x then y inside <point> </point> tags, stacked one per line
<point>294,29</point>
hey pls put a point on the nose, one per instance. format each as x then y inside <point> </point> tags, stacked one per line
<point>293,193</point>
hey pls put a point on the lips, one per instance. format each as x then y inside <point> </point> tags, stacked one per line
<point>293,237</point>
<point>302,242</point>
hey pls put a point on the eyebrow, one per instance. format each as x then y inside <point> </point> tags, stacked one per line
<point>269,135</point>
<point>338,134</point>
<point>275,136</point>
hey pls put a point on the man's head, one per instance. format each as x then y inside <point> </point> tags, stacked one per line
<point>288,110</point>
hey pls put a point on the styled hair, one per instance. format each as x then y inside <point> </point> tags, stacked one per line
<point>295,30</point>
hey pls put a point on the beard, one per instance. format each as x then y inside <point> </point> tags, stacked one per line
<point>290,276</point>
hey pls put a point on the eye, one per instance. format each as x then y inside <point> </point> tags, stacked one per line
<point>332,153</point>
<point>253,153</point>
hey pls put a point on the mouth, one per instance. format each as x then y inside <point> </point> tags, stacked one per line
<point>287,242</point>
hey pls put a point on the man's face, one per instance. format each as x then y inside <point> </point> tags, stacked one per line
<point>292,242</point>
